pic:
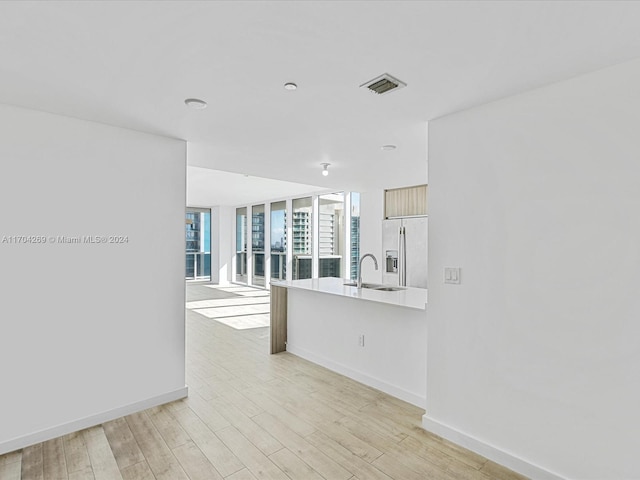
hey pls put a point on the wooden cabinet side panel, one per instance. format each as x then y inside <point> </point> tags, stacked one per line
<point>278,319</point>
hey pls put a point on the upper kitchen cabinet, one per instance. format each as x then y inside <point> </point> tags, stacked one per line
<point>405,202</point>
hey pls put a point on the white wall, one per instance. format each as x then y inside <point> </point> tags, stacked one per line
<point>534,358</point>
<point>89,331</point>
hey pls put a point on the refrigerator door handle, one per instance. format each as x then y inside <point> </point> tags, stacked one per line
<point>402,258</point>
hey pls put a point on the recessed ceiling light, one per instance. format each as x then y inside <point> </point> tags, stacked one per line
<point>325,168</point>
<point>290,86</point>
<point>386,148</point>
<point>195,103</point>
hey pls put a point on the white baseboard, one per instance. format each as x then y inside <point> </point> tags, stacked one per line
<point>499,456</point>
<point>361,377</point>
<point>93,420</point>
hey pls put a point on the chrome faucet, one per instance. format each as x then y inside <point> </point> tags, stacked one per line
<point>359,284</point>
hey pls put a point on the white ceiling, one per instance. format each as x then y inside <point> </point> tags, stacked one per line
<point>132,64</point>
<point>209,187</point>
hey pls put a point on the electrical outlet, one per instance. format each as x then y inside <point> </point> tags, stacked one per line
<point>361,340</point>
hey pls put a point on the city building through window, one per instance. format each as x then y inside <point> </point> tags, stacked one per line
<point>198,244</point>
<point>279,240</point>
<point>331,235</point>
<point>257,245</point>
<point>302,243</point>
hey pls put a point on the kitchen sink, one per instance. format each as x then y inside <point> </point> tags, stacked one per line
<point>364,285</point>
<point>376,286</point>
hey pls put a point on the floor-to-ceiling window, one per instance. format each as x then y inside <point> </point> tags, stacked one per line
<point>331,235</point>
<point>298,232</point>
<point>257,245</point>
<point>241,245</point>
<point>198,244</point>
<point>279,240</point>
<point>302,238</point>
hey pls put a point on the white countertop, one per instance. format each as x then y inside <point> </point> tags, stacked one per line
<point>409,298</point>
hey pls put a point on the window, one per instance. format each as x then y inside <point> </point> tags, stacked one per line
<point>198,244</point>
<point>257,245</point>
<point>325,229</point>
<point>241,245</point>
<point>302,238</point>
<point>331,235</point>
<point>279,240</point>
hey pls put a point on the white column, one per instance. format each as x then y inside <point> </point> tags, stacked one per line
<point>214,225</point>
<point>267,244</point>
<point>315,234</point>
<point>289,237</point>
<point>249,237</point>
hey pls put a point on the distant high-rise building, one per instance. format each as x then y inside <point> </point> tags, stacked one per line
<point>301,230</point>
<point>257,231</point>
<point>327,234</point>
<point>355,246</point>
<point>193,235</point>
<point>198,243</point>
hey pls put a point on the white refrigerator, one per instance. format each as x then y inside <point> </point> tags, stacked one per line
<point>404,251</point>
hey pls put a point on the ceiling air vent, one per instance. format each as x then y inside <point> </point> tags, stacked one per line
<point>384,84</point>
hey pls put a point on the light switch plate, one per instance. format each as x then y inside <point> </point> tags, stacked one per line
<point>452,275</point>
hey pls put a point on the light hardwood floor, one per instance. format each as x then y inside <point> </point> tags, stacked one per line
<point>253,415</point>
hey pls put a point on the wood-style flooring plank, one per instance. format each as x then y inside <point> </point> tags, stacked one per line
<point>432,466</point>
<point>220,456</point>
<point>11,457</point>
<point>430,446</point>
<point>256,461</point>
<point>318,460</point>
<point>10,471</point>
<point>375,425</point>
<point>123,444</point>
<point>138,471</point>
<point>33,463</point>
<point>498,472</point>
<point>161,460</point>
<point>346,458</point>
<point>357,446</point>
<point>194,462</point>
<point>103,463</point>
<point>76,455</point>
<point>208,415</point>
<point>243,403</point>
<point>55,465</point>
<point>293,466</point>
<point>262,439</point>
<point>170,429</point>
<point>243,474</point>
<point>381,442</point>
<point>293,421</point>
<point>398,470</point>
<point>84,474</point>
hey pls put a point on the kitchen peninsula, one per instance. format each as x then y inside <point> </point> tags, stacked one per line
<point>376,337</point>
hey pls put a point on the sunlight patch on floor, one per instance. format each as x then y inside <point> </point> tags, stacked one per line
<point>247,308</point>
